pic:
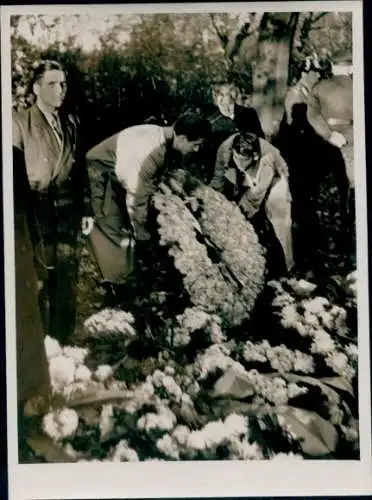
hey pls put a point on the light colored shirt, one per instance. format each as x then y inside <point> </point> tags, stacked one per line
<point>54,122</point>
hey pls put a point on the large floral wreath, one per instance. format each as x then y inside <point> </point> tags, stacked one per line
<point>215,249</point>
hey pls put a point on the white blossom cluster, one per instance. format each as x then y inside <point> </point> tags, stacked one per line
<point>111,321</point>
<point>276,390</point>
<point>124,453</point>
<point>215,358</point>
<point>68,373</point>
<point>163,420</point>
<point>165,386</point>
<point>194,319</point>
<point>60,424</point>
<point>321,321</point>
<point>233,433</point>
<point>281,358</point>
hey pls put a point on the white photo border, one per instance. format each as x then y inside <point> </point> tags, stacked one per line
<point>191,479</point>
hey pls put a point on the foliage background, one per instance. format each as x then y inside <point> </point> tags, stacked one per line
<point>124,69</point>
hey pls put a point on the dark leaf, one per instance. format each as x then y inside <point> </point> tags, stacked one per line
<point>318,436</point>
<point>233,384</point>
<point>43,446</point>
<point>339,383</point>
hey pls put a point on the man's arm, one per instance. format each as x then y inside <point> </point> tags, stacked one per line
<point>280,165</point>
<point>223,155</point>
<point>316,119</point>
<point>145,189</point>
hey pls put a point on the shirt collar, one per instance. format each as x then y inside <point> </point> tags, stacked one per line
<point>48,114</point>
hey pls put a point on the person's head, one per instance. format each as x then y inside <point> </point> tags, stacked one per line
<point>224,94</point>
<point>313,69</point>
<point>246,150</point>
<point>49,84</point>
<point>190,131</point>
<point>242,81</point>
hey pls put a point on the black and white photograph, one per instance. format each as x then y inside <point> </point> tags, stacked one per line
<point>185,231</point>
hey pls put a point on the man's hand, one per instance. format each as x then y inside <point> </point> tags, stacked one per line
<point>337,139</point>
<point>87,224</point>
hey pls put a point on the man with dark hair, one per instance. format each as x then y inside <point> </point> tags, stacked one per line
<point>123,171</point>
<point>46,138</point>
<point>251,172</point>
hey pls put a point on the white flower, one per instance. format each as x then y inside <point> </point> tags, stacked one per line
<point>327,319</point>
<point>315,305</point>
<point>311,319</point>
<point>83,373</point>
<point>302,287</point>
<point>294,390</point>
<point>181,434</point>
<point>172,388</point>
<point>352,351</point>
<point>217,336</point>
<point>69,421</point>
<point>103,372</point>
<point>242,450</point>
<point>77,354</point>
<point>163,420</point>
<point>236,425</point>
<point>147,390</point>
<point>338,362</point>
<point>123,453</point>
<point>350,433</point>
<point>323,343</point>
<point>131,407</point>
<point>283,299</point>
<point>60,424</point>
<point>169,370</point>
<point>111,320</point>
<point>289,315</point>
<point>196,441</point>
<point>168,446</point>
<point>186,399</point>
<point>303,363</point>
<point>302,329</point>
<point>51,427</point>
<point>52,347</point>
<point>157,378</point>
<point>61,371</point>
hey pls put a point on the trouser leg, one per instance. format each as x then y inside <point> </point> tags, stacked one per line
<point>63,293</point>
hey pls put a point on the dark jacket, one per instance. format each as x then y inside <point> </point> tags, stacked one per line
<point>56,174</point>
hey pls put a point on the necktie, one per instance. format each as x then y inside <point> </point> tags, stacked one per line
<point>56,125</point>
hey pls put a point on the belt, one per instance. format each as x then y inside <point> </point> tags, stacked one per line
<point>339,121</point>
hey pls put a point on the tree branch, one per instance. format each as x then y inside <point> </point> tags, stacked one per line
<point>318,17</point>
<point>222,36</point>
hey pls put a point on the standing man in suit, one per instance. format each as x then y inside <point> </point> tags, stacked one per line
<point>47,139</point>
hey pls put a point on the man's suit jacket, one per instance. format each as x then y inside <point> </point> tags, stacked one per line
<point>45,160</point>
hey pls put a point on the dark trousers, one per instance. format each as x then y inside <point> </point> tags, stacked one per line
<point>275,258</point>
<point>58,292</point>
